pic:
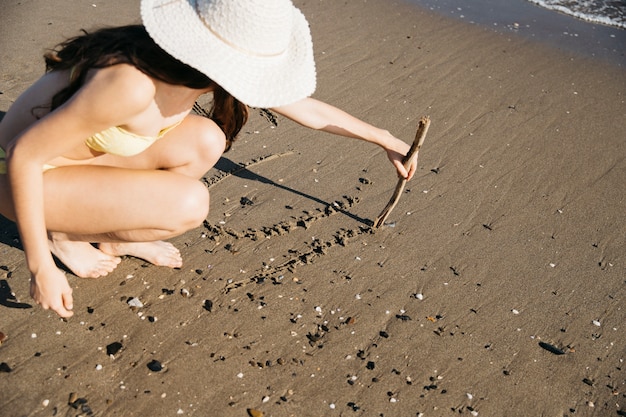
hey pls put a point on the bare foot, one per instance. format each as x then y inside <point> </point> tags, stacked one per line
<point>81,258</point>
<point>158,253</point>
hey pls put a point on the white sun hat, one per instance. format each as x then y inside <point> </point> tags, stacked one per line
<point>260,51</point>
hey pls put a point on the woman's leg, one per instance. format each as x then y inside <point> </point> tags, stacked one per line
<point>130,204</point>
<point>113,205</point>
<point>190,150</point>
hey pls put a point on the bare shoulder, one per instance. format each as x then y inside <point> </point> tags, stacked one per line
<point>113,94</point>
<point>122,86</point>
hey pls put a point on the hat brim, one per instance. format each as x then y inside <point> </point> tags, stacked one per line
<point>258,81</point>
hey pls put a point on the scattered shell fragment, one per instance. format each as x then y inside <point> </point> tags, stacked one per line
<point>255,413</point>
<point>596,323</point>
<point>134,302</point>
<point>551,348</point>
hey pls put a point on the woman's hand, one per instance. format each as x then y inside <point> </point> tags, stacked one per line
<point>396,151</point>
<point>51,290</point>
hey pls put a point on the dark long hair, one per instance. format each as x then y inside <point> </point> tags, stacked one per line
<point>132,45</point>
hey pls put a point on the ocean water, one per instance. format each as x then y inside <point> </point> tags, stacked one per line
<point>592,28</point>
<point>606,12</point>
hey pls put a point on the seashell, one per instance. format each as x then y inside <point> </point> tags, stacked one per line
<point>551,348</point>
<point>255,413</point>
<point>134,302</point>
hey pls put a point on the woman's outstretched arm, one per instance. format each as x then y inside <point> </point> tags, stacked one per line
<point>318,115</point>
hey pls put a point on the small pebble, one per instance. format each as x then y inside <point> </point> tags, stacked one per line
<point>45,403</point>
<point>98,367</point>
<point>155,366</point>
<point>113,348</point>
<point>596,323</point>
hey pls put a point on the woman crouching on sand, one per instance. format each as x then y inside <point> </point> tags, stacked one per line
<point>104,148</point>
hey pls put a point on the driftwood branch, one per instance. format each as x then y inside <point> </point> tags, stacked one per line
<point>420,135</point>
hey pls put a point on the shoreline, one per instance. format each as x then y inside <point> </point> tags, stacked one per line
<point>529,21</point>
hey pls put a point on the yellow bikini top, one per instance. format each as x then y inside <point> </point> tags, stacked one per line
<point>118,141</point>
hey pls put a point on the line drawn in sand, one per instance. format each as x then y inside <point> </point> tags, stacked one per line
<point>315,248</point>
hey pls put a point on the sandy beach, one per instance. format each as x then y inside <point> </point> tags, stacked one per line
<point>496,288</point>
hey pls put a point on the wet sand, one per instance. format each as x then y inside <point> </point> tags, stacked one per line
<point>496,288</point>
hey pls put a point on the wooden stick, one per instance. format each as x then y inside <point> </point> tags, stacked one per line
<point>420,135</point>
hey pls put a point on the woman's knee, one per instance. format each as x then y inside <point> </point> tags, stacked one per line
<point>192,205</point>
<point>211,141</point>
<point>194,149</point>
